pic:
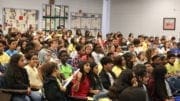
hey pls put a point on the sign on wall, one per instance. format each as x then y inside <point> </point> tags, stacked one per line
<point>20,18</point>
<point>169,23</point>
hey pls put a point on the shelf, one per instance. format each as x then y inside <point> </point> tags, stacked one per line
<point>53,17</point>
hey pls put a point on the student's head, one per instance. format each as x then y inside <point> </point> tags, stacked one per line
<point>171,58</point>
<point>159,72</point>
<point>94,67</point>
<point>82,40</point>
<point>131,47</point>
<point>53,43</point>
<point>98,48</point>
<point>141,55</point>
<point>125,80</point>
<point>84,67</point>
<point>149,67</point>
<point>88,48</point>
<point>63,56</point>
<point>107,63</point>
<point>133,94</point>
<point>156,59</point>
<point>17,60</point>
<point>78,32</point>
<point>23,44</point>
<point>119,61</point>
<point>2,44</point>
<point>130,59</point>
<point>80,49</point>
<point>48,69</point>
<point>127,77</point>
<point>32,58</point>
<point>12,44</point>
<point>141,74</point>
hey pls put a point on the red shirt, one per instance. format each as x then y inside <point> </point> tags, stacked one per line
<point>84,88</point>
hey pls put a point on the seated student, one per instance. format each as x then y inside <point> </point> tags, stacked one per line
<point>126,79</point>
<point>34,77</point>
<point>12,43</point>
<point>132,94</point>
<point>158,88</point>
<point>81,82</point>
<point>107,77</point>
<point>142,77</point>
<point>96,88</point>
<point>4,58</point>
<point>52,86</point>
<point>65,68</point>
<point>96,85</point>
<point>16,77</point>
<point>170,66</point>
<point>119,65</point>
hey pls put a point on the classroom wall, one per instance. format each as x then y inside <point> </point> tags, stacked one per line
<point>144,16</point>
<point>90,6</point>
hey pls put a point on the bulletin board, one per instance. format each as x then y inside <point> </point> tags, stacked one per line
<point>20,18</point>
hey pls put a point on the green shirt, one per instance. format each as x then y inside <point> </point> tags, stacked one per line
<point>66,70</point>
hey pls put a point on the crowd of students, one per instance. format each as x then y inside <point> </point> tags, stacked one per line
<point>114,69</point>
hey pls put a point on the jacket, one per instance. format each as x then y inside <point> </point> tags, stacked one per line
<point>105,78</point>
<point>52,90</point>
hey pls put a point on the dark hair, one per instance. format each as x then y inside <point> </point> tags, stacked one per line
<point>79,47</point>
<point>155,57</point>
<point>170,55</point>
<point>61,52</point>
<point>120,84</point>
<point>118,61</point>
<point>105,60</point>
<point>11,40</point>
<point>128,56</point>
<point>81,66</point>
<point>159,72</point>
<point>30,55</point>
<point>14,60</point>
<point>136,42</point>
<point>140,71</point>
<point>133,94</point>
<point>48,68</point>
<point>3,42</point>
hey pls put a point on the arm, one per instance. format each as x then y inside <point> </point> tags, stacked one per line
<point>77,81</point>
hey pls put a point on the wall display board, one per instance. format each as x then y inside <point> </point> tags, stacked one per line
<point>86,21</point>
<point>54,16</point>
<point>169,23</point>
<point>20,18</point>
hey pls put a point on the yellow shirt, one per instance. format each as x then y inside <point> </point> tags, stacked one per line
<point>117,70</point>
<point>177,65</point>
<point>171,69</point>
<point>144,46</point>
<point>4,58</point>
<point>71,48</point>
<point>33,75</point>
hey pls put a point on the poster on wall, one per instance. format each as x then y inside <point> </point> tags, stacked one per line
<point>20,18</point>
<point>169,23</point>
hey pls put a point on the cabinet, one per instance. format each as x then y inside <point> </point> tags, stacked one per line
<point>54,16</point>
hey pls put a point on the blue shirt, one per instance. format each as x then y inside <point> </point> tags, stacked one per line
<point>11,52</point>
